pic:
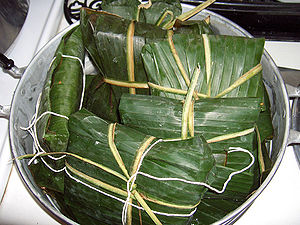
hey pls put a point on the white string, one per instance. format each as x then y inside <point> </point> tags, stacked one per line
<point>234,149</point>
<point>83,77</point>
<point>32,130</point>
<point>132,179</point>
<point>32,123</point>
<point>110,195</point>
<point>122,200</point>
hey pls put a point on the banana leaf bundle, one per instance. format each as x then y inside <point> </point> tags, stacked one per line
<point>224,122</point>
<point>116,151</point>
<point>63,89</point>
<point>118,44</point>
<point>61,96</point>
<point>115,44</point>
<point>162,117</point>
<point>229,66</point>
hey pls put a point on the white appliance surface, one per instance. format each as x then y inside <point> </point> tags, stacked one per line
<point>278,204</point>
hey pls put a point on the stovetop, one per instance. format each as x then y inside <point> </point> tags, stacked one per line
<point>272,19</point>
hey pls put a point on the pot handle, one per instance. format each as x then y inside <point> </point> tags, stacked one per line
<point>292,83</point>
<point>4,111</point>
<point>293,92</point>
<point>294,135</point>
<point>9,67</point>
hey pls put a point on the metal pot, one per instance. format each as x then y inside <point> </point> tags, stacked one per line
<point>31,84</point>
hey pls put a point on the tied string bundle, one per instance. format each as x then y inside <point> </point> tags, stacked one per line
<point>130,180</point>
<point>32,127</point>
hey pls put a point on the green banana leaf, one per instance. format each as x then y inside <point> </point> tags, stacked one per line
<point>195,27</point>
<point>62,91</point>
<point>105,38</point>
<point>264,122</point>
<point>214,207</point>
<point>161,117</point>
<point>110,36</point>
<point>103,101</point>
<point>88,81</point>
<point>162,12</point>
<point>62,95</point>
<point>189,159</point>
<point>158,12</point>
<point>127,9</point>
<point>210,210</point>
<point>222,60</point>
<point>88,40</point>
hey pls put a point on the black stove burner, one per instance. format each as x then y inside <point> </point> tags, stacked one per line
<point>271,19</point>
<point>72,8</point>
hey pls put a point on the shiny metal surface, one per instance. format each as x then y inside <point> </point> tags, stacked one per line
<point>290,76</point>
<point>30,86</point>
<point>4,111</point>
<point>296,124</point>
<point>12,17</point>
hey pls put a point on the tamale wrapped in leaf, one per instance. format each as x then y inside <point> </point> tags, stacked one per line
<point>62,94</point>
<point>90,138</point>
<point>118,44</point>
<point>222,61</point>
<point>213,118</point>
<point>161,117</point>
<point>115,44</point>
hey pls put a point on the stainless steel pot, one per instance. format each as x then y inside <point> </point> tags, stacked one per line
<point>31,84</point>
